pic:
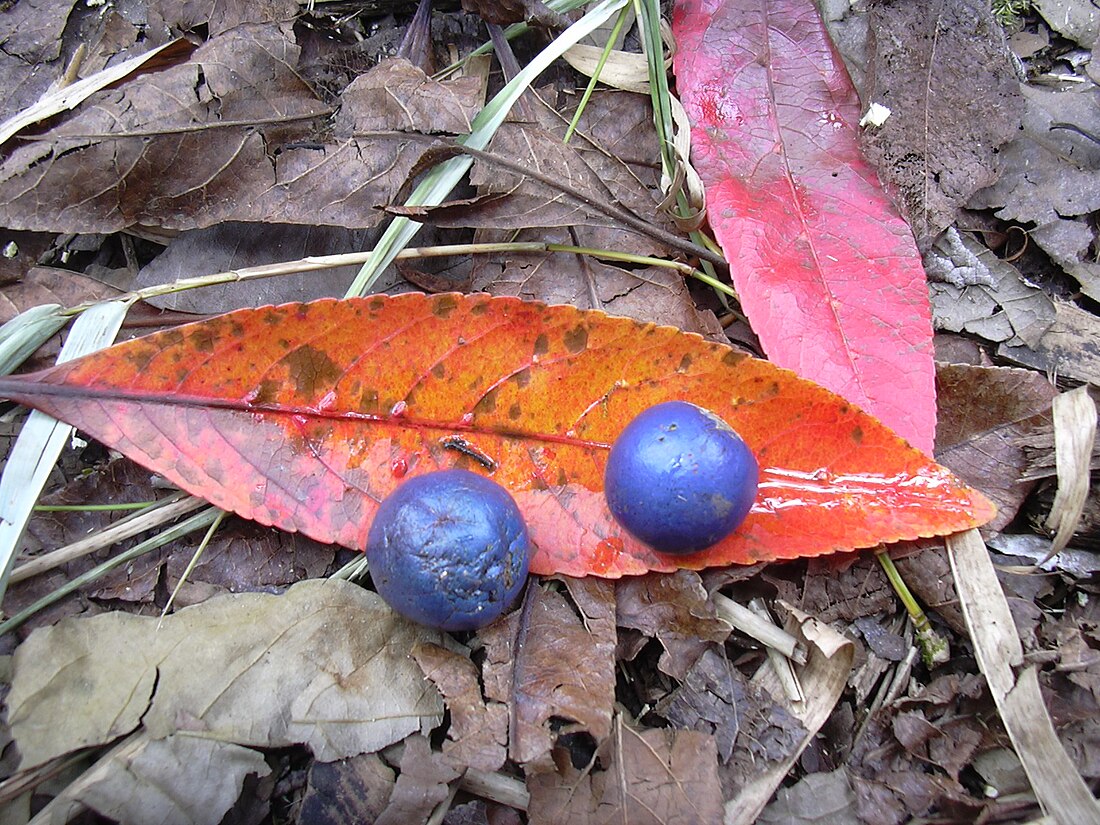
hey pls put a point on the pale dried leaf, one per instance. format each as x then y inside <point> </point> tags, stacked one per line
<point>180,780</point>
<point>628,71</point>
<point>304,667</point>
<point>1074,437</point>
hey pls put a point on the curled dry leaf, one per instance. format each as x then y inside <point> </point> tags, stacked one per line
<point>352,397</point>
<point>327,646</point>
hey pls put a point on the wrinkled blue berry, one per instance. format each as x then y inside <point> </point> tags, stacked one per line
<point>679,478</point>
<point>449,549</point>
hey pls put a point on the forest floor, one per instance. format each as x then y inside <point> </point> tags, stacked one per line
<point>263,133</point>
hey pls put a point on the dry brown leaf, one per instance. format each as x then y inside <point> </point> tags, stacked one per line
<point>612,157</point>
<point>553,668</point>
<point>46,285</point>
<point>845,587</point>
<point>932,61</point>
<point>984,412</point>
<point>675,609</point>
<point>478,735</point>
<point>712,698</point>
<point>423,783</point>
<point>304,667</point>
<point>248,128</point>
<point>234,246</point>
<point>647,777</point>
<point>242,557</point>
<point>350,790</point>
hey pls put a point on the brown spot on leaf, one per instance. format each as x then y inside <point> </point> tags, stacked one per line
<point>733,358</point>
<point>311,370</point>
<point>141,357</point>
<point>685,363</point>
<point>444,305</point>
<point>576,340</point>
<point>487,404</point>
<point>857,435</point>
<point>542,344</point>
<point>368,401</point>
<point>267,392</point>
<point>203,340</point>
<point>439,370</point>
<point>515,411</point>
<point>522,378</point>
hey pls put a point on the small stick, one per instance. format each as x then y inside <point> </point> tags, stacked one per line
<point>160,513</point>
<point>765,632</point>
<point>782,664</point>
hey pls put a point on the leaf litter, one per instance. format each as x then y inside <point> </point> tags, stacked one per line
<point>609,698</point>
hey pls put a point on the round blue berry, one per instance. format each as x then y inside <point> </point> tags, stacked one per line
<point>449,549</point>
<point>679,478</point>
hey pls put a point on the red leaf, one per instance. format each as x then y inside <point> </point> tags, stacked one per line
<point>304,416</point>
<point>826,269</point>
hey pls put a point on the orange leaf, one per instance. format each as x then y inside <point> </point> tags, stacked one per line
<point>304,416</point>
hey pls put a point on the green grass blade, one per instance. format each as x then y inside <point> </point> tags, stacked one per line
<point>26,332</point>
<point>196,522</point>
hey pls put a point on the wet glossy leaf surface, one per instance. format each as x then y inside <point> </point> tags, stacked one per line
<point>305,416</point>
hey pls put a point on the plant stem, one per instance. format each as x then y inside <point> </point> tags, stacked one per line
<point>933,647</point>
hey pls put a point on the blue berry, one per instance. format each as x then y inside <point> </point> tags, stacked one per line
<point>449,549</point>
<point>679,478</point>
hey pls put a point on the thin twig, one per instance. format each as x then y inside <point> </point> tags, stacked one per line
<point>612,211</point>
